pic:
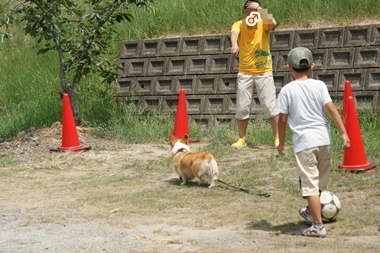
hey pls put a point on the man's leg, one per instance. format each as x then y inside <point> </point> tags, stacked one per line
<point>243,104</point>
<point>274,123</point>
<point>242,127</point>
<point>267,97</point>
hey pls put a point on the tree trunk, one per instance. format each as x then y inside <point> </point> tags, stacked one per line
<point>74,106</point>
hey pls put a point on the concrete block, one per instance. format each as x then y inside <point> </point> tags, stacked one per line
<point>306,38</point>
<point>130,49</point>
<point>375,36</point>
<point>211,120</point>
<point>195,104</point>
<point>357,35</point>
<point>282,61</point>
<point>230,104</point>
<point>214,104</point>
<point>227,43</point>
<point>177,65</point>
<point>366,100</point>
<point>143,86</point>
<point>329,77</point>
<point>156,66</point>
<point>137,101</point>
<point>281,79</point>
<point>170,46</point>
<point>331,37</point>
<point>190,45</point>
<point>281,40</point>
<point>373,79</point>
<point>320,57</point>
<point>150,48</point>
<point>164,85</point>
<point>356,78</point>
<point>226,83</point>
<point>340,58</point>
<point>198,64</point>
<point>220,64</point>
<point>185,82</point>
<point>124,85</point>
<point>205,84</point>
<point>132,67</point>
<point>367,57</point>
<point>234,64</point>
<point>151,103</point>
<point>274,60</point>
<point>169,104</point>
<point>213,44</point>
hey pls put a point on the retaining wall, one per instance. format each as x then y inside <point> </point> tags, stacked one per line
<point>155,70</point>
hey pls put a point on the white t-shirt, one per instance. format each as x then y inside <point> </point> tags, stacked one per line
<point>304,102</point>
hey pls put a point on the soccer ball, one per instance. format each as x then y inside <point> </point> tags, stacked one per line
<point>330,205</point>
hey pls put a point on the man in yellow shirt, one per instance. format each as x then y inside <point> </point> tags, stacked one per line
<point>250,42</point>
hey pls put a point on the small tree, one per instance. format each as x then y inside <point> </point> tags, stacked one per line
<point>80,33</point>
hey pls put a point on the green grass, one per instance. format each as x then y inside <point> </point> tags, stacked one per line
<point>29,85</point>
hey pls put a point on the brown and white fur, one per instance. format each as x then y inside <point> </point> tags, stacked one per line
<point>190,164</point>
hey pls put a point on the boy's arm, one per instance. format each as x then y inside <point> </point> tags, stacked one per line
<point>282,120</point>
<point>331,109</point>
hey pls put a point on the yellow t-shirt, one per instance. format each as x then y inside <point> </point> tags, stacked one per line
<point>254,48</point>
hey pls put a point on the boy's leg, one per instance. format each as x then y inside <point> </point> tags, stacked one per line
<point>309,183</point>
<point>314,203</point>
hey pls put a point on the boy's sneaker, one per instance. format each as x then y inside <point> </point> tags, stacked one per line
<point>314,232</point>
<point>239,144</point>
<point>305,213</point>
<point>276,142</point>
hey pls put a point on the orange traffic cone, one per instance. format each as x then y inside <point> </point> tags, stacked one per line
<point>70,140</point>
<point>181,123</point>
<point>355,159</point>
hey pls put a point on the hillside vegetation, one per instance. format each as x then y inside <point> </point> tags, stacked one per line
<point>29,85</point>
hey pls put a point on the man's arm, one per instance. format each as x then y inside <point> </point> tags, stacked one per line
<point>268,19</point>
<point>234,43</point>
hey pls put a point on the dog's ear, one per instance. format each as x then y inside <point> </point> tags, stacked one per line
<point>185,139</point>
<point>172,139</point>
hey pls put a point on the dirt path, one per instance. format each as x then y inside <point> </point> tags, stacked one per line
<point>43,209</point>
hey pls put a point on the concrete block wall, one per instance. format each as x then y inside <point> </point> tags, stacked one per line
<point>154,70</point>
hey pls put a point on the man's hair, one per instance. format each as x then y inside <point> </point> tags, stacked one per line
<point>249,1</point>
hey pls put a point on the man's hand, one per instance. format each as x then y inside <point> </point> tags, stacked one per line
<point>235,50</point>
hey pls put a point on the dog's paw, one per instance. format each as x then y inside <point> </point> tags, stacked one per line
<point>183,183</point>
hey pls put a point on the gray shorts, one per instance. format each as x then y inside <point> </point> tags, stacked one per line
<point>314,168</point>
<point>266,93</point>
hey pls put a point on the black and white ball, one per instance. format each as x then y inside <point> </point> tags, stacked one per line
<point>330,205</point>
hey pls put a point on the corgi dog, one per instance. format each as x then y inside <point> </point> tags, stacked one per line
<point>190,164</point>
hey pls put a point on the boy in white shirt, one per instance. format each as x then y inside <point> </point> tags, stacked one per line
<point>301,104</point>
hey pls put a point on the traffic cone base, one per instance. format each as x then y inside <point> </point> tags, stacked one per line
<point>70,140</point>
<point>75,150</point>
<point>368,168</point>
